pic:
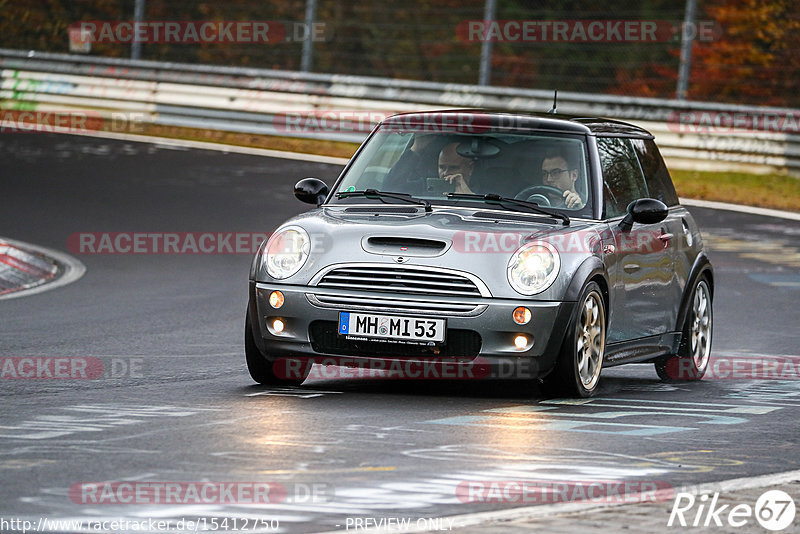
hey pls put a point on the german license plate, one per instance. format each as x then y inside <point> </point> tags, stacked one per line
<point>408,329</point>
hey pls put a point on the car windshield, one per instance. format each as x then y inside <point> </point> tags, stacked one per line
<point>545,168</point>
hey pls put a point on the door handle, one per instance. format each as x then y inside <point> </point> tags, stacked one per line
<point>665,238</point>
<point>631,267</point>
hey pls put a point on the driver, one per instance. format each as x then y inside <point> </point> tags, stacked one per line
<point>455,168</point>
<point>416,162</point>
<point>559,170</point>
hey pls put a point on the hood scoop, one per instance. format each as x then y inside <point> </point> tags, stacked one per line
<point>404,246</point>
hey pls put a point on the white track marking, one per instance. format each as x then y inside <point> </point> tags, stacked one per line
<point>546,510</point>
<point>220,147</point>
<point>752,210</point>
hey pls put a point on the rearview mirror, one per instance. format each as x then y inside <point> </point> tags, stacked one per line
<point>644,211</point>
<point>311,191</point>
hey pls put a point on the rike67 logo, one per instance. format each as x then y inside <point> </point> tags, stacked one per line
<point>774,510</point>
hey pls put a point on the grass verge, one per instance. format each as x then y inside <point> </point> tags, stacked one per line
<point>338,149</point>
<point>763,190</point>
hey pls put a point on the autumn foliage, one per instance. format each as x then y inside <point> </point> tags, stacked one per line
<point>754,57</point>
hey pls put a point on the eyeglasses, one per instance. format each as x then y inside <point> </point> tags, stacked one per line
<point>553,173</point>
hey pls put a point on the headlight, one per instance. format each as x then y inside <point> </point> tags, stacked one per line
<point>533,267</point>
<point>286,252</point>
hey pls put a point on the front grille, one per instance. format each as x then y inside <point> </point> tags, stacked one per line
<point>403,280</point>
<point>394,305</point>
<point>325,339</point>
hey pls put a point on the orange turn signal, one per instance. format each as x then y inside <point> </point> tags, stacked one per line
<point>276,299</point>
<point>522,315</point>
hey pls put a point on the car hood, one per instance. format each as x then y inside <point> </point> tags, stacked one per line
<point>475,241</point>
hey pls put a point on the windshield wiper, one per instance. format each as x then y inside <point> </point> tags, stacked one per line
<point>374,193</point>
<point>497,199</point>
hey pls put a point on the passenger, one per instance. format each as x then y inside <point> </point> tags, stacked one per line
<point>455,168</point>
<point>560,170</point>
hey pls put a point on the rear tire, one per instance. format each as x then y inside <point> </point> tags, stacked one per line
<point>694,352</point>
<point>261,369</point>
<point>577,371</point>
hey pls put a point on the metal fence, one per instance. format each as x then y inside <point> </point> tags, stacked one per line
<point>297,104</point>
<point>744,52</point>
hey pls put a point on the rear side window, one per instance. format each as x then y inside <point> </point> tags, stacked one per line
<point>656,175</point>
<point>622,177</point>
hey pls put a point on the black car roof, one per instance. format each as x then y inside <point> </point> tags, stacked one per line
<point>611,127</point>
<point>478,118</point>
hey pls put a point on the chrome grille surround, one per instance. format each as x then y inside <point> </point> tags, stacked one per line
<point>395,289</point>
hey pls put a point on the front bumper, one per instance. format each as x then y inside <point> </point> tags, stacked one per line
<point>487,335</point>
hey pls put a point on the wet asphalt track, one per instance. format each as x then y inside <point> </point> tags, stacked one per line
<point>189,411</point>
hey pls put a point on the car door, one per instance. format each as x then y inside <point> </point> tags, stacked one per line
<point>674,230</point>
<point>639,265</point>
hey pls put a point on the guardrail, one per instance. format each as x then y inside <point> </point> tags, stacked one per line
<point>257,101</point>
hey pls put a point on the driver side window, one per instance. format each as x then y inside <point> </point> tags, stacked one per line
<point>623,181</point>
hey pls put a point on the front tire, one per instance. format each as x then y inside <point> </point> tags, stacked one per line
<point>694,352</point>
<point>577,370</point>
<point>261,369</point>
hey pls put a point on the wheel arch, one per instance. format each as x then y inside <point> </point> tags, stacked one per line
<point>592,269</point>
<point>252,315</point>
<point>700,269</point>
<point>603,283</point>
<point>564,376</point>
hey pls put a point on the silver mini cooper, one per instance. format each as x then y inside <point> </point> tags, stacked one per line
<point>537,247</point>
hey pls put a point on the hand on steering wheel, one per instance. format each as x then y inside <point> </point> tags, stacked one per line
<point>541,192</point>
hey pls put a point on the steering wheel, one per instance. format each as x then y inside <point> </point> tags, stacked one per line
<point>540,191</point>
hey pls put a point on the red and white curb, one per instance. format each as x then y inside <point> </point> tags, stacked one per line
<point>26,269</point>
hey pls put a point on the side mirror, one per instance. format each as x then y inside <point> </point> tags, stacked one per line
<point>644,211</point>
<point>311,191</point>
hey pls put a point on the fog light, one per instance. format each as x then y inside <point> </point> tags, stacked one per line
<point>521,341</point>
<point>276,299</point>
<point>522,315</point>
<point>278,326</point>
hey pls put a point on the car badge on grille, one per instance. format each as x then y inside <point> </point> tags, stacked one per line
<point>400,259</point>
